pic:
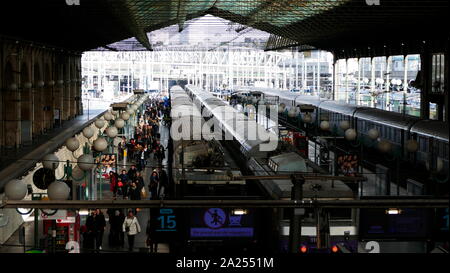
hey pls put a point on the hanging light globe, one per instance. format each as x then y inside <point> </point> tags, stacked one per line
<point>86,162</point>
<point>119,123</point>
<point>100,123</point>
<point>72,144</point>
<point>50,161</point>
<point>88,132</point>
<point>108,116</point>
<point>58,191</point>
<point>100,144</point>
<point>373,133</point>
<point>307,118</point>
<point>292,112</point>
<point>344,125</point>
<point>125,116</point>
<point>350,134</point>
<point>16,189</point>
<point>324,125</point>
<point>112,132</point>
<point>384,146</point>
<point>412,145</point>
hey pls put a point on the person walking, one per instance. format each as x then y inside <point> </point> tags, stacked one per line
<point>131,227</point>
<point>151,240</point>
<point>153,186</point>
<point>90,232</point>
<point>100,226</point>
<point>115,223</point>
<point>163,183</point>
<point>113,179</point>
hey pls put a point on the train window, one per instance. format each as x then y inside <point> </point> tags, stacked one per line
<point>446,151</point>
<point>423,144</point>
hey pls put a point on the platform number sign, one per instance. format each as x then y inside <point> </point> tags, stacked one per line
<point>166,220</point>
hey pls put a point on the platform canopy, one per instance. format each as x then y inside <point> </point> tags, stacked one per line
<point>323,24</point>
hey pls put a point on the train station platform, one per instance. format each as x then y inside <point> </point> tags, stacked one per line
<point>14,245</point>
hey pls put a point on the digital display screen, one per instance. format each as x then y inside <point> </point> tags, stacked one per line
<point>219,223</point>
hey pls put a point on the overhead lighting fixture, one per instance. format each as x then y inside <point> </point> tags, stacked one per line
<point>393,211</point>
<point>83,212</point>
<point>239,212</point>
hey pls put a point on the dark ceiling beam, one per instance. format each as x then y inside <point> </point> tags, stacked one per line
<point>128,17</point>
<point>181,14</point>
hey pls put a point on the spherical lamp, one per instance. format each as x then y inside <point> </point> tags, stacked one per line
<point>412,145</point>
<point>72,144</point>
<point>373,133</point>
<point>86,162</point>
<point>99,123</point>
<point>50,161</point>
<point>384,146</point>
<point>307,118</point>
<point>58,191</point>
<point>100,144</point>
<point>125,116</point>
<point>88,132</point>
<point>130,111</point>
<point>40,84</point>
<point>344,125</point>
<point>108,116</point>
<point>16,190</point>
<point>324,125</point>
<point>112,132</point>
<point>292,112</point>
<point>119,123</point>
<point>27,85</point>
<point>350,134</point>
<point>281,107</point>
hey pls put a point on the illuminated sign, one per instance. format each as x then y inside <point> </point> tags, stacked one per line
<point>219,222</point>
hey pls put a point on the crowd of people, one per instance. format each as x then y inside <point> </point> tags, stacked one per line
<point>130,185</point>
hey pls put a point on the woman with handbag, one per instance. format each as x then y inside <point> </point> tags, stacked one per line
<point>131,227</point>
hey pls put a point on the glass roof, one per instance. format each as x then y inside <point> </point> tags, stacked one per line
<point>204,33</point>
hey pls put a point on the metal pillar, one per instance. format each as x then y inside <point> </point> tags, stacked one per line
<point>295,228</point>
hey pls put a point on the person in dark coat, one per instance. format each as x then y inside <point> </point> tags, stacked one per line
<point>116,232</point>
<point>151,240</point>
<point>91,233</point>
<point>134,193</point>
<point>99,225</point>
<point>163,183</point>
<point>132,173</point>
<point>139,181</point>
<point>153,186</point>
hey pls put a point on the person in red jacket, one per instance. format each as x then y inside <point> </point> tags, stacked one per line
<point>113,179</point>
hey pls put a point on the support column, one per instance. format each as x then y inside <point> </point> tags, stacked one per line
<point>38,124</point>
<point>12,117</point>
<point>426,64</point>
<point>26,108</point>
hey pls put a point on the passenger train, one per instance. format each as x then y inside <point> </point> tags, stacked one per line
<point>342,226</point>
<point>398,129</point>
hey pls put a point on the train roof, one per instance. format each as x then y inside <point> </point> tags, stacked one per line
<point>287,162</point>
<point>383,117</point>
<point>243,129</point>
<point>340,107</point>
<point>431,128</point>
